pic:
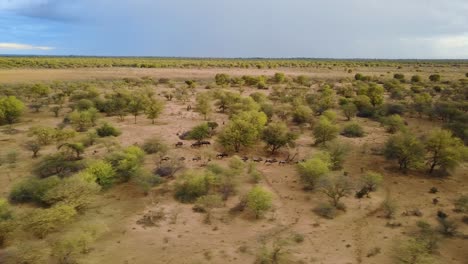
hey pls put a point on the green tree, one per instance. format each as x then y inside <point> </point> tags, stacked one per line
<point>259,201</point>
<point>406,149</point>
<point>371,180</point>
<point>102,173</point>
<point>41,222</point>
<point>33,146</point>
<point>200,132</point>
<point>277,135</point>
<point>422,103</point>
<point>76,191</point>
<point>434,78</point>
<point>444,150</point>
<point>137,105</point>
<point>11,110</point>
<point>325,131</point>
<point>203,104</point>
<point>77,148</point>
<point>394,123</point>
<point>313,169</point>
<point>243,130</point>
<point>349,110</point>
<point>154,109</point>
<point>83,120</point>
<point>375,93</point>
<point>337,152</point>
<point>335,187</point>
<point>222,79</point>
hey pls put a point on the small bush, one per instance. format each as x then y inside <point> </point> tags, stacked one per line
<point>41,222</point>
<point>259,201</point>
<point>32,189</point>
<point>353,130</point>
<point>57,164</point>
<point>193,185</point>
<point>326,210</point>
<point>389,208</point>
<point>461,204</point>
<point>107,130</point>
<point>154,145</point>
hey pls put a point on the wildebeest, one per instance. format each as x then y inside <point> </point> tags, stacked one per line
<point>282,162</point>
<point>245,158</point>
<point>257,159</point>
<point>221,155</point>
<point>165,159</point>
<point>196,145</point>
<point>182,158</point>
<point>179,144</point>
<point>205,143</point>
<point>363,192</point>
<point>196,158</point>
<point>270,161</point>
<point>441,215</point>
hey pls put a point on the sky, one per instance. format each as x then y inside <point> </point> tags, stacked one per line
<point>396,29</point>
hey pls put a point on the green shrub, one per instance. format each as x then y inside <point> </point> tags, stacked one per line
<point>353,130</point>
<point>107,130</point>
<point>259,201</point>
<point>57,164</point>
<point>313,169</point>
<point>102,173</point>
<point>154,145</point>
<point>193,185</point>
<point>41,222</point>
<point>326,210</point>
<point>32,189</point>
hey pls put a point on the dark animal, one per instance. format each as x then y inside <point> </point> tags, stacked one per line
<point>179,144</point>
<point>196,158</point>
<point>221,155</point>
<point>270,161</point>
<point>441,215</point>
<point>205,143</point>
<point>257,159</point>
<point>363,192</point>
<point>283,162</point>
<point>433,190</point>
<point>245,158</point>
<point>435,201</point>
<point>165,159</point>
<point>196,145</point>
<point>182,158</point>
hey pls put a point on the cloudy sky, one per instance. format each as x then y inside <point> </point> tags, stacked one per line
<point>237,28</point>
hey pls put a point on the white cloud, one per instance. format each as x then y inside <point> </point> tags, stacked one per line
<point>19,46</point>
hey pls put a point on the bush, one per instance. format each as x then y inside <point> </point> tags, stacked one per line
<point>102,173</point>
<point>107,130</point>
<point>75,191</point>
<point>412,251</point>
<point>32,190</point>
<point>5,210</point>
<point>28,252</point>
<point>353,130</point>
<point>461,204</point>
<point>57,164</point>
<point>84,104</point>
<point>154,145</point>
<point>193,185</point>
<point>434,77</point>
<point>324,131</point>
<point>313,169</point>
<point>11,110</point>
<point>389,208</point>
<point>371,180</point>
<point>416,78</point>
<point>41,222</point>
<point>326,210</point>
<point>127,162</point>
<point>394,123</point>
<point>259,201</point>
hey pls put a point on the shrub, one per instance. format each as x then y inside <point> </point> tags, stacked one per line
<point>461,204</point>
<point>5,210</point>
<point>324,131</point>
<point>28,252</point>
<point>193,185</point>
<point>389,208</point>
<point>337,152</point>
<point>84,104</point>
<point>75,191</point>
<point>154,145</point>
<point>200,132</point>
<point>326,210</point>
<point>371,180</point>
<point>416,78</point>
<point>107,130</point>
<point>102,173</point>
<point>313,169</point>
<point>57,164</point>
<point>41,222</point>
<point>11,110</point>
<point>32,189</point>
<point>412,251</point>
<point>434,77</point>
<point>353,130</point>
<point>127,162</point>
<point>259,201</point>
<point>394,123</point>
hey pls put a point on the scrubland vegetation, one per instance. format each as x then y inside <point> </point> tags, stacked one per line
<point>246,169</point>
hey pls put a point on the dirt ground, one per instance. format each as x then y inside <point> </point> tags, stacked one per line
<point>182,237</point>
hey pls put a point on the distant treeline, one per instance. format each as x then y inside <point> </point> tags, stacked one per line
<point>55,62</point>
